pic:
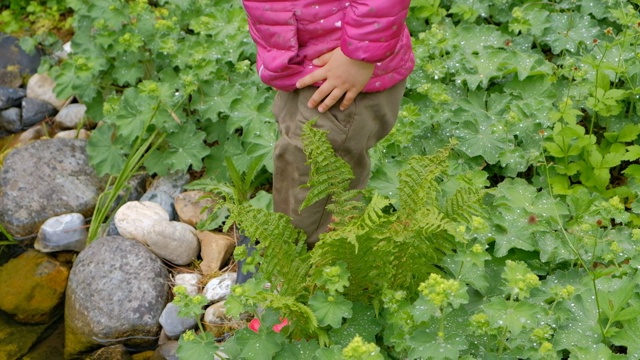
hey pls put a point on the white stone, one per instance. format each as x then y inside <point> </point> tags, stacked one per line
<point>191,282</point>
<point>74,134</point>
<point>215,314</point>
<point>174,241</point>
<point>219,288</point>
<point>70,116</point>
<point>135,219</point>
<point>64,232</point>
<point>40,87</point>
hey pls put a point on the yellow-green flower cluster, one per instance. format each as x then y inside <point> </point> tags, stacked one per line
<point>520,279</point>
<point>563,292</point>
<point>358,349</point>
<point>438,290</point>
<point>480,323</point>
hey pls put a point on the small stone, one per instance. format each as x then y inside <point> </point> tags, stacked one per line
<point>113,352</point>
<point>191,282</point>
<point>70,117</point>
<point>166,351</point>
<point>173,241</point>
<point>219,288</point>
<point>64,232</point>
<point>172,184</point>
<point>189,206</point>
<point>163,199</point>
<point>74,134</point>
<point>32,287</point>
<point>145,355</point>
<point>11,120</point>
<point>40,86</point>
<point>34,133</point>
<point>10,97</point>
<point>135,219</point>
<point>215,250</point>
<point>34,111</point>
<point>216,321</point>
<point>173,324</point>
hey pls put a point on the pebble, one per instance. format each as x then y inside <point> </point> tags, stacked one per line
<point>191,282</point>
<point>70,117</point>
<point>215,250</point>
<point>219,288</point>
<point>10,97</point>
<point>173,324</point>
<point>64,232</point>
<point>34,111</point>
<point>73,134</point>
<point>11,120</point>
<point>40,86</point>
<point>173,241</point>
<point>166,351</point>
<point>135,219</point>
<point>172,184</point>
<point>189,206</point>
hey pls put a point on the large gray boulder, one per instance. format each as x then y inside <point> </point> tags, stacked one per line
<point>116,292</point>
<point>43,179</point>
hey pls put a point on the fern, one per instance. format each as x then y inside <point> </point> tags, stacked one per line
<point>330,174</point>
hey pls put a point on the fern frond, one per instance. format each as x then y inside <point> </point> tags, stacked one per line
<point>466,201</point>
<point>417,182</point>
<point>330,174</point>
<point>285,260</point>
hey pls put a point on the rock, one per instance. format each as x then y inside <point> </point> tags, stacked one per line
<point>70,117</point>
<point>32,287</point>
<point>74,134</point>
<point>116,292</point>
<point>215,250</point>
<point>113,352</point>
<point>163,199</point>
<point>11,97</point>
<point>40,86</point>
<point>216,321</point>
<point>10,78</point>
<point>189,206</point>
<point>135,219</point>
<point>64,232</point>
<point>219,288</point>
<point>16,338</point>
<point>34,111</point>
<point>44,179</point>
<point>145,355</point>
<point>17,60</point>
<point>173,324</point>
<point>166,351</point>
<point>191,282</point>
<point>51,347</point>
<point>174,241</point>
<point>11,120</point>
<point>35,133</point>
<point>172,184</point>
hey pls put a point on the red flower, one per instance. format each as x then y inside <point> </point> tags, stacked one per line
<point>254,325</point>
<point>278,327</point>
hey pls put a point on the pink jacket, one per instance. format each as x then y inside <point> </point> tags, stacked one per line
<point>290,34</point>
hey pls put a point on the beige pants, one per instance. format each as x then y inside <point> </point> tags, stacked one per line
<point>351,132</point>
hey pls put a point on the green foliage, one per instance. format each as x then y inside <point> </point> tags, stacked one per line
<point>135,60</point>
<point>36,22</point>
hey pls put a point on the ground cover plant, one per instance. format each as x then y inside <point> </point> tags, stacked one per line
<point>527,109</point>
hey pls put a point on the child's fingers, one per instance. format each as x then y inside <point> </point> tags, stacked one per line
<point>319,95</point>
<point>311,79</point>
<point>331,100</point>
<point>323,59</point>
<point>349,97</point>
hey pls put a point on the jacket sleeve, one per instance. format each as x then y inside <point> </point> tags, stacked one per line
<point>372,29</point>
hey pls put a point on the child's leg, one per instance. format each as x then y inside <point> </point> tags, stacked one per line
<point>351,132</point>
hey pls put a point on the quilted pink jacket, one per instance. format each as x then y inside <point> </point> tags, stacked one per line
<point>290,34</point>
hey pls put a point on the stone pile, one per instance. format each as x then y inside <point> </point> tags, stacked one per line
<point>114,293</point>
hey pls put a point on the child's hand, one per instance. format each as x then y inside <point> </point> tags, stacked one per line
<point>342,76</point>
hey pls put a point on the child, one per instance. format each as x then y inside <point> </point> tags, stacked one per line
<point>341,62</point>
